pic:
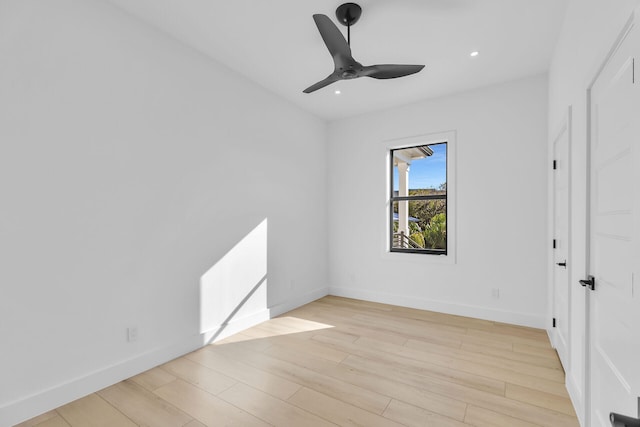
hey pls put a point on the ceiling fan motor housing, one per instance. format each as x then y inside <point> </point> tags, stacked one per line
<point>348,13</point>
<point>349,74</point>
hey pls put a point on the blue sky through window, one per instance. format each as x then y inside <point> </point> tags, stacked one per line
<point>429,172</point>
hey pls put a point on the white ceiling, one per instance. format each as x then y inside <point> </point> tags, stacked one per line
<point>276,44</point>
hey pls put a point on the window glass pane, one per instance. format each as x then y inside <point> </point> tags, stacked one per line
<point>420,224</point>
<point>420,171</point>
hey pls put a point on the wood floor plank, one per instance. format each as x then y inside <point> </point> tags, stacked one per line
<point>426,351</point>
<point>267,330</point>
<point>250,345</point>
<point>257,378</point>
<point>490,360</point>
<point>487,341</point>
<point>470,395</point>
<point>430,330</point>
<point>292,324</point>
<point>539,398</point>
<point>531,359</point>
<point>56,421</point>
<point>199,375</point>
<point>437,328</point>
<point>409,327</point>
<point>348,325</point>
<point>547,352</point>
<point>39,419</point>
<point>410,415</point>
<point>205,407</point>
<point>269,408</point>
<point>336,335</point>
<point>310,346</point>
<point>93,411</point>
<point>246,340</point>
<point>142,406</point>
<point>337,411</point>
<point>443,318</point>
<point>496,368</point>
<point>299,358</point>
<point>435,370</point>
<point>508,376</point>
<point>418,374</point>
<point>482,417</point>
<point>521,332</point>
<point>153,378</point>
<point>428,400</point>
<point>532,342</point>
<point>357,396</point>
<point>505,372</point>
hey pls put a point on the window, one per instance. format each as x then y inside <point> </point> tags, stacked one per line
<point>418,199</point>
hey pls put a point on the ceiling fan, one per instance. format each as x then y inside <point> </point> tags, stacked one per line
<point>345,66</point>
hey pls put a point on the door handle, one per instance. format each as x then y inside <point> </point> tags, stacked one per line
<point>618,420</point>
<point>562,264</point>
<point>591,283</point>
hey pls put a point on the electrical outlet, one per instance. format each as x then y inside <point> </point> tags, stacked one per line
<point>132,334</point>
<point>495,292</point>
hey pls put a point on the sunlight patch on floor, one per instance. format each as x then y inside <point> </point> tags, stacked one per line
<point>276,327</point>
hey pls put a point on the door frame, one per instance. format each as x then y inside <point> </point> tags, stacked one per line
<point>631,21</point>
<point>565,126</point>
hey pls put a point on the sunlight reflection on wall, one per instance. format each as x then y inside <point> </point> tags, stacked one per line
<point>236,286</point>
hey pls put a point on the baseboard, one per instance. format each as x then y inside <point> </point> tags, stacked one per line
<point>27,407</point>
<point>478,312</point>
<point>552,337</point>
<point>298,301</point>
<point>576,396</point>
<point>30,406</point>
<point>233,327</point>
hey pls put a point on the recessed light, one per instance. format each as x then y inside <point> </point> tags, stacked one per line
<point>474,53</point>
<point>337,92</point>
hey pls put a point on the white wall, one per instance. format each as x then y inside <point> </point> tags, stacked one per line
<point>501,205</point>
<point>589,31</point>
<point>130,165</point>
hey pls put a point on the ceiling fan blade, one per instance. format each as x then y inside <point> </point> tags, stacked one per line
<point>390,71</point>
<point>322,83</point>
<point>334,40</point>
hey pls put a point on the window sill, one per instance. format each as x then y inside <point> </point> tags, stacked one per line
<point>412,257</point>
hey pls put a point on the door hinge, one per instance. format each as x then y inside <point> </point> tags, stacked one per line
<point>554,322</point>
<point>554,243</point>
<point>555,164</point>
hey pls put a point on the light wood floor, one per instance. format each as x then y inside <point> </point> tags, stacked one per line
<point>339,361</point>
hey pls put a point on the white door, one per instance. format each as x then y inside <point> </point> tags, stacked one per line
<point>561,291</point>
<point>614,233</point>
